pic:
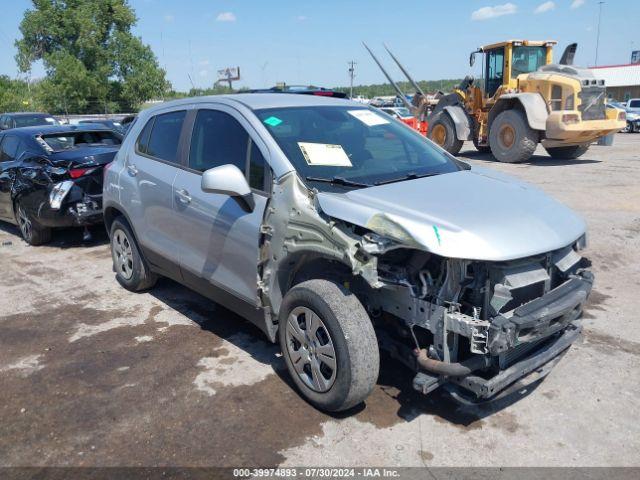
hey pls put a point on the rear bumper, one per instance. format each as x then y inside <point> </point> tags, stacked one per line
<point>559,133</point>
<point>82,212</point>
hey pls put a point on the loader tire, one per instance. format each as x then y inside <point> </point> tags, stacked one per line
<point>442,132</point>
<point>511,138</point>
<point>567,153</point>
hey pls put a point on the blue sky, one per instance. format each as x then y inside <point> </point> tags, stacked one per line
<point>304,42</point>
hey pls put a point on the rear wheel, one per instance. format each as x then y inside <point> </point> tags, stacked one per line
<point>328,344</point>
<point>567,153</point>
<point>442,131</point>
<point>31,232</point>
<point>131,269</point>
<point>511,138</point>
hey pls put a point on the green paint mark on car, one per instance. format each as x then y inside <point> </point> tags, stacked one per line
<point>437,232</point>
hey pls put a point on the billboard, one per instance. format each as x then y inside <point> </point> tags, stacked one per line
<point>226,74</point>
<point>635,56</point>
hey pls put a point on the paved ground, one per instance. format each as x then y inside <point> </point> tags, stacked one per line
<point>91,374</point>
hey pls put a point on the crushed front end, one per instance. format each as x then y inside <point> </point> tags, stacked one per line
<point>478,325</point>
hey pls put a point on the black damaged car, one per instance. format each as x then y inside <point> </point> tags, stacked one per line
<point>51,176</point>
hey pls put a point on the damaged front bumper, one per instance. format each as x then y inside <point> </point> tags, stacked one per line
<point>519,342</point>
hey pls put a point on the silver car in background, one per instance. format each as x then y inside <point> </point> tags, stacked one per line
<point>340,233</point>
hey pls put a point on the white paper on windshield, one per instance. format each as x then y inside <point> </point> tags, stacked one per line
<point>368,117</point>
<point>324,154</point>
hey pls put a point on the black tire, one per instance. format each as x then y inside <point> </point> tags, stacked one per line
<point>136,276</point>
<point>346,324</point>
<point>567,153</point>
<point>629,128</point>
<point>442,132</point>
<point>32,233</point>
<point>511,138</point>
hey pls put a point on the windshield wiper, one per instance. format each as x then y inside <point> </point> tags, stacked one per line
<point>338,181</point>
<point>408,176</point>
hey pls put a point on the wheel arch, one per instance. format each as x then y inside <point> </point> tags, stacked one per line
<point>461,121</point>
<point>532,105</point>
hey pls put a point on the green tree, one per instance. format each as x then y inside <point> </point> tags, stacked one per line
<point>93,61</point>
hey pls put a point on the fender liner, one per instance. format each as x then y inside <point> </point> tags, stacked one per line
<point>460,120</point>
<point>533,105</point>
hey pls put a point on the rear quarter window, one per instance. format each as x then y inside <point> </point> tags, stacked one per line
<point>165,135</point>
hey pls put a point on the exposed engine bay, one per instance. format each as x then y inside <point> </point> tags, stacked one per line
<point>479,325</point>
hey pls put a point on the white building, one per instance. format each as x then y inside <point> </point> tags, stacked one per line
<point>622,81</point>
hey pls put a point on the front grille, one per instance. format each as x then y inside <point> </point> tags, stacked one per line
<point>593,106</point>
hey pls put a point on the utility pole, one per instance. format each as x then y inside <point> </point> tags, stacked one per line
<point>598,34</point>
<point>352,74</point>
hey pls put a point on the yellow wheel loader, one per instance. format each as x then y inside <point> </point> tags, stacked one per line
<point>525,99</point>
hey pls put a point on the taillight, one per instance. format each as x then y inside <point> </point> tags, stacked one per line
<point>78,172</point>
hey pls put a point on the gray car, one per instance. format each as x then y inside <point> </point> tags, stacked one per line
<point>340,233</point>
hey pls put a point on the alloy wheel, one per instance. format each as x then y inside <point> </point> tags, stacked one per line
<point>24,223</point>
<point>122,254</point>
<point>311,349</point>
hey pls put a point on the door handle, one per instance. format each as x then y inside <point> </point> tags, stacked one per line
<point>183,196</point>
<point>132,169</point>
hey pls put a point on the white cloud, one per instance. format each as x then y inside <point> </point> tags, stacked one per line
<point>203,73</point>
<point>545,7</point>
<point>485,13</point>
<point>577,3</point>
<point>301,18</point>
<point>169,18</point>
<point>203,63</point>
<point>226,17</point>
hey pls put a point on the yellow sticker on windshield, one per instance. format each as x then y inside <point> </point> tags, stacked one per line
<point>324,154</point>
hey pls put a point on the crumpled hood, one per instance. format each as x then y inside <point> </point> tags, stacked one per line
<point>476,214</point>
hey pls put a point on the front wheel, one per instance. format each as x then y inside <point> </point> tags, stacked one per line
<point>329,345</point>
<point>442,131</point>
<point>511,138</point>
<point>628,128</point>
<point>567,153</point>
<point>31,232</point>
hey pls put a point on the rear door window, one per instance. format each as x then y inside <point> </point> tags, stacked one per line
<point>165,135</point>
<point>9,148</point>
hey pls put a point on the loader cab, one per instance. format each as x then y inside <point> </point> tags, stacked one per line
<point>504,61</point>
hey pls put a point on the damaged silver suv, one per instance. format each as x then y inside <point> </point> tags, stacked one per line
<point>340,232</point>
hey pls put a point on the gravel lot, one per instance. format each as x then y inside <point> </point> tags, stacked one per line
<point>92,375</point>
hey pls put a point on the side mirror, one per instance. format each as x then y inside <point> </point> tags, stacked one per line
<point>228,180</point>
<point>472,59</point>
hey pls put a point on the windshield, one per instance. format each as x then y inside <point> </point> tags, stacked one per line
<point>27,121</point>
<point>634,104</point>
<point>403,112</point>
<point>354,145</point>
<point>64,141</point>
<point>528,59</point>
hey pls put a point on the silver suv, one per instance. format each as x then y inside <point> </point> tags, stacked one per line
<point>340,232</point>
